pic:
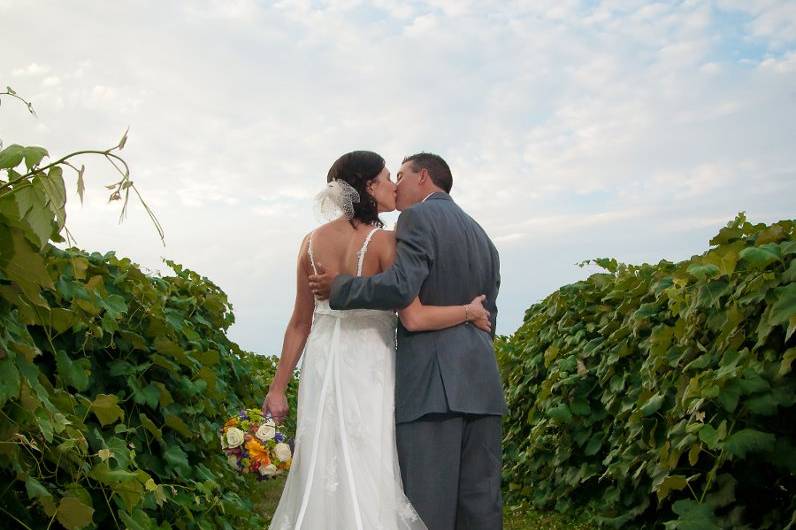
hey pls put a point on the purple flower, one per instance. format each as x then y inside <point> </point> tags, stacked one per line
<point>279,437</point>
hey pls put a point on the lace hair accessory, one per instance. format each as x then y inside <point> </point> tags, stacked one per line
<point>336,199</point>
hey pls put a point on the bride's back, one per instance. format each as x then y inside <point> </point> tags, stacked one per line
<point>337,245</point>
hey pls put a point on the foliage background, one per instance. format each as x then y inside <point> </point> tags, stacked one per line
<point>113,382</point>
<point>665,392</point>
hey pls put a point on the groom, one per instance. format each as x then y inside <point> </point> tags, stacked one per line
<point>448,394</point>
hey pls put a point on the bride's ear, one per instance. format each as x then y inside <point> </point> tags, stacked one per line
<point>369,189</point>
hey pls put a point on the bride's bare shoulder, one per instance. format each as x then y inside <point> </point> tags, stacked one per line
<point>384,241</point>
<point>384,236</point>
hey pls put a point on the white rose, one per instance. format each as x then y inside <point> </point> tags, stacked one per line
<point>265,432</point>
<point>232,460</point>
<point>234,437</point>
<point>282,452</point>
<point>268,471</point>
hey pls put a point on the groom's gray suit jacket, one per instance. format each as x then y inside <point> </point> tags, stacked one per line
<point>446,257</point>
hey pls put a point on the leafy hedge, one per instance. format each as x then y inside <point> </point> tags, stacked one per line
<point>113,383</point>
<point>663,393</point>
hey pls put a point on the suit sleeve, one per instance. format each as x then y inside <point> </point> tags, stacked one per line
<point>493,309</point>
<point>398,286</point>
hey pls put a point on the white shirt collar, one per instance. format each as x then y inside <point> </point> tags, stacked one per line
<point>429,195</point>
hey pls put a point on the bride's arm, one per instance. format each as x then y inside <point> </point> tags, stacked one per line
<point>298,329</point>
<point>419,317</point>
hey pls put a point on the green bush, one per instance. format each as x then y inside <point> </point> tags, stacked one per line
<point>113,383</point>
<point>112,395</point>
<point>663,393</point>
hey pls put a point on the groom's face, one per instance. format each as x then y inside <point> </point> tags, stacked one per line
<point>407,187</point>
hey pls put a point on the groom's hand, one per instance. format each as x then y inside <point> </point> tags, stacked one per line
<point>321,283</point>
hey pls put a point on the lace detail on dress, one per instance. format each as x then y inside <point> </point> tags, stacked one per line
<point>357,432</point>
<point>361,253</point>
<point>330,407</point>
<point>310,254</point>
<point>332,480</point>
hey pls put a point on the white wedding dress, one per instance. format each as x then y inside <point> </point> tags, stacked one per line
<point>345,473</point>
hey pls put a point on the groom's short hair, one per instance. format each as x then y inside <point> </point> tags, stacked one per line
<point>436,167</point>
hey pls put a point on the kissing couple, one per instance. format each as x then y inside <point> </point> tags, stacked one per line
<point>393,434</point>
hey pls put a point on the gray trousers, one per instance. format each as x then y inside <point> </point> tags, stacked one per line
<point>450,466</point>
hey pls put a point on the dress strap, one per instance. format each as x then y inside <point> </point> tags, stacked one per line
<point>361,253</point>
<point>311,255</point>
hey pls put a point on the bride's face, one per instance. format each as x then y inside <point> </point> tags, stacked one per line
<point>382,189</point>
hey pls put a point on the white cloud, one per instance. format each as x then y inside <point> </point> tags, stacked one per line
<point>222,9</point>
<point>33,69</point>
<point>784,65</point>
<point>574,129</point>
<point>397,9</point>
<point>772,20</point>
<point>422,25</point>
<point>453,8</point>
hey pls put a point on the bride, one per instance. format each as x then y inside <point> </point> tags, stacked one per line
<point>345,472</point>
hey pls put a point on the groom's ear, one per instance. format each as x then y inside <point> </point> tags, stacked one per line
<point>424,175</point>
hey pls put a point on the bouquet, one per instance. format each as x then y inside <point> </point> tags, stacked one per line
<point>253,445</point>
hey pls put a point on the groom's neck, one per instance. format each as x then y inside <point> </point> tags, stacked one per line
<point>427,191</point>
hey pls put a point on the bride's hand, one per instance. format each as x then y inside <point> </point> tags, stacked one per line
<point>478,314</point>
<point>275,404</point>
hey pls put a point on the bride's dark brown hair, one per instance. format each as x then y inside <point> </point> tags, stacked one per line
<point>358,168</point>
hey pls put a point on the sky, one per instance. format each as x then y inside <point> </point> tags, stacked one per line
<point>574,129</point>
